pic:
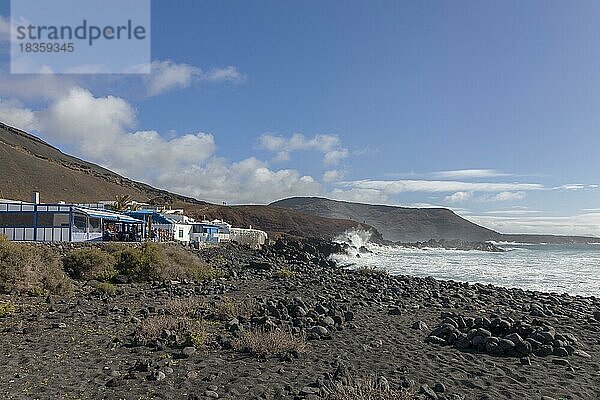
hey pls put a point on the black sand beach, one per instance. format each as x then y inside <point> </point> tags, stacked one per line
<point>357,324</point>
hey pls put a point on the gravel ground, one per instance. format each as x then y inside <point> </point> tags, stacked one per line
<point>357,324</point>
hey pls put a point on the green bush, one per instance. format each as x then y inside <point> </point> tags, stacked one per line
<point>90,263</point>
<point>152,261</point>
<point>31,269</point>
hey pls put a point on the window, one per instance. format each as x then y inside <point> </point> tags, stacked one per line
<point>95,225</point>
<point>16,219</point>
<point>6,220</point>
<point>61,220</point>
<point>49,220</point>
<point>181,233</point>
<point>79,223</point>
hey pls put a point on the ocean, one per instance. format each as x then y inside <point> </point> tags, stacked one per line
<point>572,269</point>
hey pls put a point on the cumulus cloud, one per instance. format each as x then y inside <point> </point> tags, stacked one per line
<point>458,197</point>
<point>329,145</point>
<point>332,176</point>
<point>167,75</point>
<point>334,157</point>
<point>101,129</point>
<point>468,174</point>
<point>14,114</point>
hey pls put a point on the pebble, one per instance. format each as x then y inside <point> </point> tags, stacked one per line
<point>212,394</point>
<point>420,325</point>
<point>188,351</point>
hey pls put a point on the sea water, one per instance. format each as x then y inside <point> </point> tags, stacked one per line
<point>572,269</point>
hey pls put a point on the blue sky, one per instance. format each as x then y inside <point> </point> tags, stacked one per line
<point>489,108</point>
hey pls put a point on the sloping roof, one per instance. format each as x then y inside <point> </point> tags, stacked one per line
<point>106,215</point>
<point>157,218</point>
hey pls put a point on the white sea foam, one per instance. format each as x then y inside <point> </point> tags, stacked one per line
<point>569,269</point>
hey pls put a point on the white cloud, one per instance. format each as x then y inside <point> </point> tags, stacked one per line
<point>576,186</point>
<point>458,197</point>
<point>334,157</point>
<point>369,196</point>
<point>35,86</point>
<point>513,212</point>
<point>329,145</point>
<point>468,173</point>
<point>227,74</point>
<point>403,186</point>
<point>506,196</point>
<point>580,224</point>
<point>167,75</point>
<point>332,176</point>
<point>14,114</point>
<point>101,130</point>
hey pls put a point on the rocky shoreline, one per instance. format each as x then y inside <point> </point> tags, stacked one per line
<point>456,244</point>
<point>319,325</point>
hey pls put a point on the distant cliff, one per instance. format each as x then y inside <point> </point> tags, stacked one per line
<point>403,224</point>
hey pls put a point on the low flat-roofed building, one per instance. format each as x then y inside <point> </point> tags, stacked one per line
<point>60,222</point>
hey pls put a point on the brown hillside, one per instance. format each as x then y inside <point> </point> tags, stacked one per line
<point>28,163</point>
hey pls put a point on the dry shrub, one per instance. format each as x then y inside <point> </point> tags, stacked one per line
<point>264,344</point>
<point>153,261</point>
<point>7,309</point>
<point>106,288</point>
<point>187,307</point>
<point>90,263</point>
<point>229,308</point>
<point>365,389</point>
<point>151,328</point>
<point>31,269</point>
<point>154,328</point>
<point>285,273</point>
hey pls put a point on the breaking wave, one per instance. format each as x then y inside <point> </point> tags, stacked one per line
<point>550,268</point>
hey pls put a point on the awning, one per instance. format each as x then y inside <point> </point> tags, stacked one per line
<point>108,216</point>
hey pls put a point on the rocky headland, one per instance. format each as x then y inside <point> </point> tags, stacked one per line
<point>285,322</point>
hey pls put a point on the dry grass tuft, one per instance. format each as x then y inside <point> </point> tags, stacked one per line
<point>285,273</point>
<point>168,327</point>
<point>365,389</point>
<point>229,308</point>
<point>265,344</point>
<point>106,288</point>
<point>7,309</point>
<point>187,307</point>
